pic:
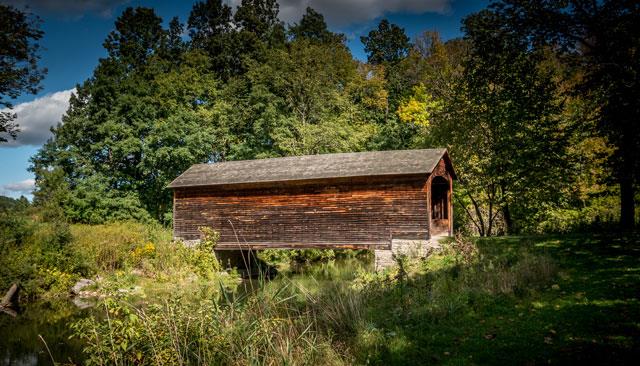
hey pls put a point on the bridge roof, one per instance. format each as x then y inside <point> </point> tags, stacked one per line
<point>313,167</point>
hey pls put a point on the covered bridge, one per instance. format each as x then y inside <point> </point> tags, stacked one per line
<point>347,200</point>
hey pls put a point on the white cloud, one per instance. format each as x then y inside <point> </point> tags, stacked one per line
<point>347,12</point>
<point>35,118</point>
<point>16,189</point>
<point>73,8</point>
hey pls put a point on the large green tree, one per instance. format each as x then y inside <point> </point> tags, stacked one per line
<point>386,44</point>
<point>210,29</point>
<point>140,120</point>
<point>19,71</point>
<point>303,99</point>
<point>313,27</point>
<point>601,39</point>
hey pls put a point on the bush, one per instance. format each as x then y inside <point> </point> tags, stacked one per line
<point>38,257</point>
<point>109,247</point>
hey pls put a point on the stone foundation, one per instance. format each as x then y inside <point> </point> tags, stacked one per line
<point>409,247</point>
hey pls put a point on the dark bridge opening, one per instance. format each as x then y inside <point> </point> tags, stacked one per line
<point>439,206</point>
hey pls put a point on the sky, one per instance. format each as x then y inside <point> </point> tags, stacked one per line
<point>74,31</point>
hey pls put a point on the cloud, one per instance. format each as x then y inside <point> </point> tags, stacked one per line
<point>348,12</point>
<point>36,117</point>
<point>16,189</point>
<point>72,8</point>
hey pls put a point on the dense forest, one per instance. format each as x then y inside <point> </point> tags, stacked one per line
<point>539,116</point>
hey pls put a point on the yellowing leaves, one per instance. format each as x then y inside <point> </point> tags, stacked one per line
<point>419,108</point>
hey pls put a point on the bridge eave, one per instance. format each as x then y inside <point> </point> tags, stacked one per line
<point>268,245</point>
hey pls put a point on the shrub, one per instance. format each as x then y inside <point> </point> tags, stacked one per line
<point>142,252</point>
<point>14,229</point>
<point>203,257</point>
<point>111,246</point>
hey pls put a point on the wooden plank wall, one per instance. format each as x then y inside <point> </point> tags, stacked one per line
<point>348,214</point>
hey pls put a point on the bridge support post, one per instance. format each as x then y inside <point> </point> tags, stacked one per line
<point>412,248</point>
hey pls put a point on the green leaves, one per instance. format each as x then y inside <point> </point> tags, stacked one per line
<point>419,108</point>
<point>386,44</point>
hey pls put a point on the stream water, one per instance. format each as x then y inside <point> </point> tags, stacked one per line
<point>22,339</point>
<point>20,342</point>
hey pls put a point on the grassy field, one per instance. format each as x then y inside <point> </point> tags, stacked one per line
<point>589,312</point>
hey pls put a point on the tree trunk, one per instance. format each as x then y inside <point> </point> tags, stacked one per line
<point>627,202</point>
<point>508,222</point>
<point>625,174</point>
<point>478,214</point>
<point>9,297</point>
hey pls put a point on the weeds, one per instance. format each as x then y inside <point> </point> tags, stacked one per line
<point>309,322</point>
<point>265,329</point>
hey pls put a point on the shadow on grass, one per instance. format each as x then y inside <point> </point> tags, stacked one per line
<point>588,312</point>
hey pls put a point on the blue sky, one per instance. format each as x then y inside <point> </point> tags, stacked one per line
<point>75,30</point>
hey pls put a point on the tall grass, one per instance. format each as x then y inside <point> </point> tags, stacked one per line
<point>303,320</point>
<point>265,328</point>
<point>110,247</point>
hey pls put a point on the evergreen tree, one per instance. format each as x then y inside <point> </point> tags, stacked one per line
<point>210,30</point>
<point>386,44</point>
<point>313,27</point>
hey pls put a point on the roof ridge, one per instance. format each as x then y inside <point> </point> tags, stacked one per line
<point>321,154</point>
<point>306,167</point>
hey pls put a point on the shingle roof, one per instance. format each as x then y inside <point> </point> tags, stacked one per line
<point>324,166</point>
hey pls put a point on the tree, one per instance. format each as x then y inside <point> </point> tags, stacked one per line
<point>137,123</point>
<point>137,36</point>
<point>601,39</point>
<point>302,100</point>
<point>313,27</point>
<point>510,137</point>
<point>19,71</point>
<point>258,24</point>
<point>207,21</point>
<point>419,107</point>
<point>259,17</point>
<point>210,30</point>
<point>386,44</point>
<point>174,46</point>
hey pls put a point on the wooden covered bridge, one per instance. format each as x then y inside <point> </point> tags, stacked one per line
<point>349,200</point>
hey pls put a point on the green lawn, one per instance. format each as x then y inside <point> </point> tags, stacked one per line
<point>588,312</point>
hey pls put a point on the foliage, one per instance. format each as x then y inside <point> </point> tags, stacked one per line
<point>386,44</point>
<point>37,256</point>
<point>105,248</point>
<point>599,40</point>
<point>8,204</point>
<point>418,108</point>
<point>283,258</point>
<point>46,258</point>
<point>19,72</point>
<point>203,256</point>
<point>209,27</point>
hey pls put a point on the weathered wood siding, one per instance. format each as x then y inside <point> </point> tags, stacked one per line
<point>352,213</point>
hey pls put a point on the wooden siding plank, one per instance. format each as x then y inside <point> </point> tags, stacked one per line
<point>354,214</point>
